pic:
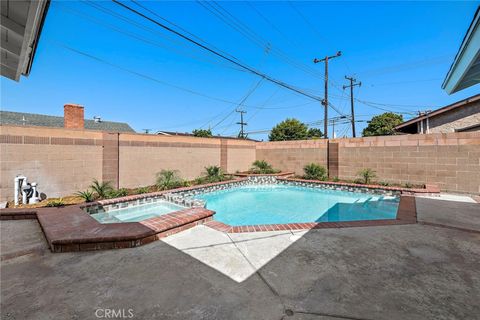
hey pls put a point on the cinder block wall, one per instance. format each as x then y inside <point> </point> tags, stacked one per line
<point>293,155</point>
<point>240,155</point>
<point>64,161</point>
<point>142,156</point>
<point>60,161</point>
<point>449,160</point>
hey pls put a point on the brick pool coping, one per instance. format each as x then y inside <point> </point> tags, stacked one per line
<point>406,214</point>
<point>70,228</point>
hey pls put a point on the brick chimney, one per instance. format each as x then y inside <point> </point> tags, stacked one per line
<point>73,116</point>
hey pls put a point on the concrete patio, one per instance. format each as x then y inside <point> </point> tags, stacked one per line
<point>386,272</point>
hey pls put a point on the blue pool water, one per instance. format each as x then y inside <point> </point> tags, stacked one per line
<point>137,213</point>
<point>273,204</point>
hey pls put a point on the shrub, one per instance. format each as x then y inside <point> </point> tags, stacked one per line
<point>102,189</point>
<point>408,185</point>
<point>122,192</point>
<point>335,179</point>
<point>168,179</point>
<point>262,167</point>
<point>367,175</point>
<point>55,203</point>
<point>214,174</point>
<point>142,190</point>
<point>384,183</point>
<point>314,171</point>
<point>86,195</point>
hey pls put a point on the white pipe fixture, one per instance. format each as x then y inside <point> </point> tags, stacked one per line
<point>19,181</point>
<point>27,191</point>
<point>34,198</point>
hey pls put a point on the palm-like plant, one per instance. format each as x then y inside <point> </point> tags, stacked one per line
<point>141,190</point>
<point>168,179</point>
<point>367,175</point>
<point>314,171</point>
<point>86,195</point>
<point>214,174</point>
<point>262,167</point>
<point>102,189</point>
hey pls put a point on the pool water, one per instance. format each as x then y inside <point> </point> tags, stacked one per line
<point>277,204</point>
<point>137,213</point>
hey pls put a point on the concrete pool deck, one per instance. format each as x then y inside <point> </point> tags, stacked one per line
<point>383,272</point>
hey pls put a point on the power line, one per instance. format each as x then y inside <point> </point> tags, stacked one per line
<point>271,24</point>
<point>239,64</point>
<point>230,20</point>
<point>247,95</point>
<point>179,27</point>
<point>132,35</point>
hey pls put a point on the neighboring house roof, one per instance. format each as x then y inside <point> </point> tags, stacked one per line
<point>21,25</point>
<point>187,134</point>
<point>458,104</point>
<point>465,69</point>
<point>41,120</point>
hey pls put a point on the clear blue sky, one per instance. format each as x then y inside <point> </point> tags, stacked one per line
<point>400,52</point>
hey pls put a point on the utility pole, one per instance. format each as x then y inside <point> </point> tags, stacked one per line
<point>325,100</point>
<point>241,123</point>
<point>352,84</point>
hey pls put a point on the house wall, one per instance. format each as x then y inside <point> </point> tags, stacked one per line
<point>456,119</point>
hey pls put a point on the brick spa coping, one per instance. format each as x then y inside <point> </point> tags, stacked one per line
<point>71,228</point>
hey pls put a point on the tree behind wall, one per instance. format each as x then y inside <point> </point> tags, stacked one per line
<point>204,133</point>
<point>293,129</point>
<point>315,133</point>
<point>382,125</point>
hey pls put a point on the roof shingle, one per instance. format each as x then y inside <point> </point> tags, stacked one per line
<point>41,120</point>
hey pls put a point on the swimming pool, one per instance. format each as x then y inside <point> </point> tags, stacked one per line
<point>282,203</point>
<point>138,212</point>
